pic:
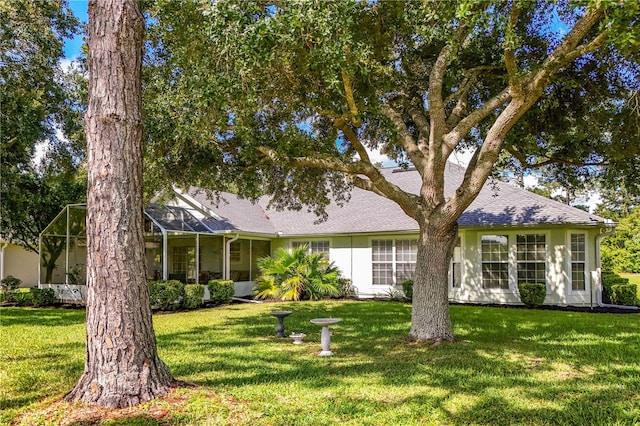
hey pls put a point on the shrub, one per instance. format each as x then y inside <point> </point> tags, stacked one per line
<point>297,275</point>
<point>43,296</point>
<point>396,294</point>
<point>221,291</point>
<point>166,295</point>
<point>624,294</point>
<point>23,298</point>
<point>407,287</point>
<point>346,289</point>
<point>193,294</point>
<point>532,294</point>
<point>8,286</point>
<point>609,279</point>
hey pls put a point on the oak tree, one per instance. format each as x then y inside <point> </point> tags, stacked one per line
<point>290,99</point>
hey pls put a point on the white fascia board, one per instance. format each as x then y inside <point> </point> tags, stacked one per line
<point>196,204</point>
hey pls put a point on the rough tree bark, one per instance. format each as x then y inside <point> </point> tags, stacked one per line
<point>430,320</point>
<point>122,367</point>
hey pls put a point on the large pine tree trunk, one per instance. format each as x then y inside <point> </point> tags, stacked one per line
<point>430,320</point>
<point>122,365</point>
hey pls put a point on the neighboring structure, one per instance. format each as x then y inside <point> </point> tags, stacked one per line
<point>18,262</point>
<point>508,235</point>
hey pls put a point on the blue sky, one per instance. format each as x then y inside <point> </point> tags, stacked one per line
<point>72,47</point>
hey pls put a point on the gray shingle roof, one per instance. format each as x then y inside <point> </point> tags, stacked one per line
<point>500,204</point>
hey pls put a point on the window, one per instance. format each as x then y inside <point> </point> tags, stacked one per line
<point>235,251</point>
<point>406,254</point>
<point>382,260</point>
<point>393,261</point>
<point>313,247</point>
<point>578,260</point>
<point>495,261</point>
<point>531,258</point>
<point>184,261</point>
<point>456,266</point>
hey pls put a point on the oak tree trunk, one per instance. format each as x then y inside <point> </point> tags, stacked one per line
<point>122,367</point>
<point>430,320</point>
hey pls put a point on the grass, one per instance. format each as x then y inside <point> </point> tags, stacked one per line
<point>510,366</point>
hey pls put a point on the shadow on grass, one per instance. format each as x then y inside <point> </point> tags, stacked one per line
<point>48,317</point>
<point>529,366</point>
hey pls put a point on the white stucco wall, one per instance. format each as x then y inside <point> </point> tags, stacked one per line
<point>352,254</point>
<point>21,264</point>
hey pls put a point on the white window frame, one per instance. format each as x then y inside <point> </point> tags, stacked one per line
<point>545,261</point>
<point>309,243</point>
<point>507,262</point>
<point>394,258</point>
<point>460,261</point>
<point>583,262</point>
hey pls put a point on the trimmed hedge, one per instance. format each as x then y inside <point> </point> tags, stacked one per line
<point>624,294</point>
<point>407,287</point>
<point>43,297</point>
<point>532,294</point>
<point>166,295</point>
<point>610,279</point>
<point>221,291</point>
<point>193,294</point>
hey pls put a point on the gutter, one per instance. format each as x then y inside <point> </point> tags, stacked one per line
<point>598,271</point>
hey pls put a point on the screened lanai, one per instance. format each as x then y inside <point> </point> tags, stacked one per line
<point>178,245</point>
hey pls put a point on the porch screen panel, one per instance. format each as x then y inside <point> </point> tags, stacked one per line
<point>259,249</point>
<point>578,260</point>
<point>495,262</point>
<point>531,257</point>
<point>382,262</point>
<point>406,254</point>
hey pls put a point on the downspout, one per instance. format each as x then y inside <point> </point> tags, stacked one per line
<point>599,275</point>
<point>227,259</point>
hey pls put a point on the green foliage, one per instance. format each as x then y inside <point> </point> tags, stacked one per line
<point>34,104</point>
<point>621,251</point>
<point>166,295</point>
<point>624,294</point>
<point>609,279</point>
<point>221,291</point>
<point>43,296</point>
<point>407,288</point>
<point>8,287</point>
<point>23,298</point>
<point>193,294</point>
<point>10,283</point>
<point>532,294</point>
<point>296,275</point>
<point>346,289</point>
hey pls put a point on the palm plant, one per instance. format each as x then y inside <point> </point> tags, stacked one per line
<point>296,275</point>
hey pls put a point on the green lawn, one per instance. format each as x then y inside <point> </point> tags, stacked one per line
<point>511,366</point>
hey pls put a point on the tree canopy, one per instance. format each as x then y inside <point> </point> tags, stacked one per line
<point>36,109</point>
<point>290,99</point>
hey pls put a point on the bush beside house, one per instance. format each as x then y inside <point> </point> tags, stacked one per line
<point>221,291</point>
<point>532,294</point>
<point>297,275</point>
<point>617,290</point>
